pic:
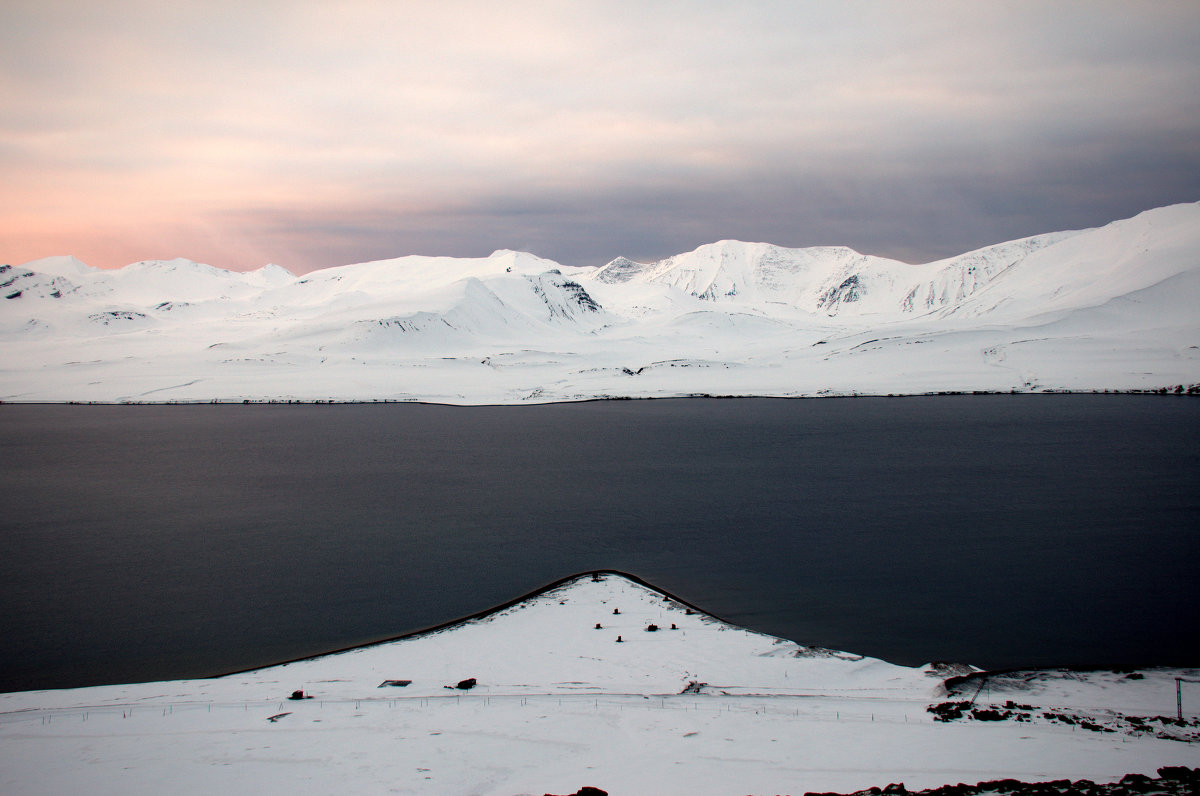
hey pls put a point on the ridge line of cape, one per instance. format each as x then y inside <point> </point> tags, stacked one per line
<point>486,612</point>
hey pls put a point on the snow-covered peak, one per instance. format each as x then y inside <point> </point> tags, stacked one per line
<point>177,280</point>
<point>1086,268</point>
<point>150,283</point>
<point>175,265</point>
<point>271,275</point>
<point>426,272</point>
<point>21,282</point>
<point>474,311</point>
<point>619,271</point>
<point>65,265</point>
<point>179,270</point>
<point>754,273</point>
<point>518,262</point>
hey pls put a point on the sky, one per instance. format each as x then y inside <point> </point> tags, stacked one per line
<point>313,134</point>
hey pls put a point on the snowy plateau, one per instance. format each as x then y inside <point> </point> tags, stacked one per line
<point>603,681</point>
<point>1111,308</point>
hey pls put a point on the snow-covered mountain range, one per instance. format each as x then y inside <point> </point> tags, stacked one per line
<point>1107,308</point>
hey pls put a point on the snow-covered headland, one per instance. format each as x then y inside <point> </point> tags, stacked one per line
<point>598,680</point>
<point>1112,308</point>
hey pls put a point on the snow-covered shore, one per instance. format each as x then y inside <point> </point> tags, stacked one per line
<point>1111,308</point>
<point>693,706</point>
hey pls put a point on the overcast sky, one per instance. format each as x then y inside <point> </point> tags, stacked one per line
<point>315,133</point>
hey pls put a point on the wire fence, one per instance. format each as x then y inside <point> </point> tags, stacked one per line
<point>810,707</point>
<point>795,706</point>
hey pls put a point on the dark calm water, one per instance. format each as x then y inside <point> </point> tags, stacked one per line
<point>152,542</point>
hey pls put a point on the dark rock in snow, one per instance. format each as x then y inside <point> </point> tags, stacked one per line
<point>948,711</point>
<point>1171,781</point>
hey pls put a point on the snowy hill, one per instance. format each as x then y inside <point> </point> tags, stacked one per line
<point>1085,310</point>
<point>826,280</point>
<point>597,680</point>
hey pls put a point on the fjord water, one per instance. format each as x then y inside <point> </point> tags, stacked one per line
<point>161,542</point>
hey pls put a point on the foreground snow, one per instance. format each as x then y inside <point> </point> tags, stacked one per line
<point>701,708</point>
<point>1108,308</point>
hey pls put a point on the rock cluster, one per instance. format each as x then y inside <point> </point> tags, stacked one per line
<point>1171,781</point>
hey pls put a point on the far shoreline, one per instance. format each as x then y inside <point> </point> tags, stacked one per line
<point>1173,391</point>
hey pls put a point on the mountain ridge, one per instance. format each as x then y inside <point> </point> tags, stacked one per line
<point>730,318</point>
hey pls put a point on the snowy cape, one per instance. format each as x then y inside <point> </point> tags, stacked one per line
<point>1108,308</point>
<point>597,680</point>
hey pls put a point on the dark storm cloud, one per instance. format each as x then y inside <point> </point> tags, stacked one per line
<point>314,135</point>
<point>919,207</point>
